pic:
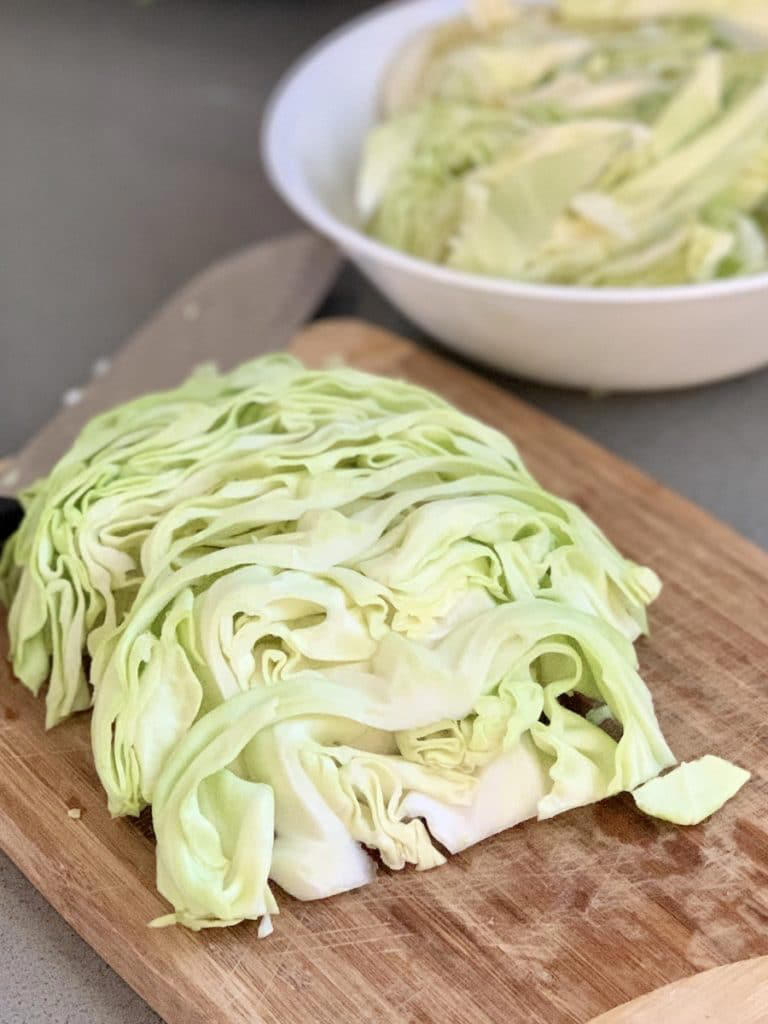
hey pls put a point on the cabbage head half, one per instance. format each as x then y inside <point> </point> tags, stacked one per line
<point>322,615</point>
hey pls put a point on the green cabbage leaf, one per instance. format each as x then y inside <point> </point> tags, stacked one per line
<point>692,791</point>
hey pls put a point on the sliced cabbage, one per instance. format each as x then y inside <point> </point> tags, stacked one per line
<point>320,615</point>
<point>409,185</point>
<point>510,207</point>
<point>592,143</point>
<point>480,73</point>
<point>691,792</point>
<point>748,14</point>
<point>319,743</point>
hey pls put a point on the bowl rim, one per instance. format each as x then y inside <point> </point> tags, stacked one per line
<point>303,201</point>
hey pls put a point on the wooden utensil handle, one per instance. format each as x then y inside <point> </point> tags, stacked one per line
<point>733,994</point>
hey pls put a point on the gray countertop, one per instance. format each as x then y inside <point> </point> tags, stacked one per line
<point>130,161</point>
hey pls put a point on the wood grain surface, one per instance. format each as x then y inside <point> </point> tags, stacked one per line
<point>547,924</point>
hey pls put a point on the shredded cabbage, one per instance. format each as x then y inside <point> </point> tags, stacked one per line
<point>321,613</point>
<point>595,142</point>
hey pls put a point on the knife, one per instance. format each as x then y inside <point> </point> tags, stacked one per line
<point>247,304</point>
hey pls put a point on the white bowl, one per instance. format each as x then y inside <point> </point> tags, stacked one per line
<point>598,338</point>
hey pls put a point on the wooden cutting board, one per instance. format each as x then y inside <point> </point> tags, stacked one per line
<point>550,923</point>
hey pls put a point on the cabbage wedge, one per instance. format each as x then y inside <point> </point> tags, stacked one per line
<point>324,617</point>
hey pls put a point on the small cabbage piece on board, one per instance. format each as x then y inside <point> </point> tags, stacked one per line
<point>592,142</point>
<point>321,613</point>
<point>692,791</point>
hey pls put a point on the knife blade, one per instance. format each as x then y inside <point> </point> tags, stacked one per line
<point>249,303</point>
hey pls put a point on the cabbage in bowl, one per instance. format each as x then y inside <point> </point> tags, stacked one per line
<point>592,143</point>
